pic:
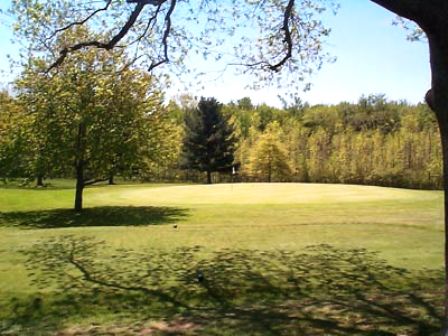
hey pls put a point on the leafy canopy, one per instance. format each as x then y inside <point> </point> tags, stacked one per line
<point>255,37</point>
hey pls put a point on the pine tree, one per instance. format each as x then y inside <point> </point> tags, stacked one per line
<point>209,141</point>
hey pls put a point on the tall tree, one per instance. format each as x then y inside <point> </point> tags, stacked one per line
<point>269,157</point>
<point>209,142</point>
<point>93,117</point>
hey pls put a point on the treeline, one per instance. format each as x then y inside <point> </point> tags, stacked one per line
<point>375,142</point>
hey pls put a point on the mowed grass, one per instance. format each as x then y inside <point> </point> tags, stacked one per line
<point>186,226</point>
<point>405,226</point>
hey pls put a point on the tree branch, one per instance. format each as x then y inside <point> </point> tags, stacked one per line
<point>288,40</point>
<point>415,10</point>
<point>151,20</point>
<point>93,181</point>
<point>101,45</point>
<point>80,23</point>
<point>166,33</point>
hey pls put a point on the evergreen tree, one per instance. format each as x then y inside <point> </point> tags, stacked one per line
<point>209,141</point>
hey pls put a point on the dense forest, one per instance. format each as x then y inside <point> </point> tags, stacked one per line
<point>373,141</point>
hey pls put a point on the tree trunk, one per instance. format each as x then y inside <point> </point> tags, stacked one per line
<point>209,177</point>
<point>39,181</point>
<point>79,166</point>
<point>444,136</point>
<point>270,169</point>
<point>437,99</point>
<point>79,186</point>
<point>111,180</point>
<point>431,17</point>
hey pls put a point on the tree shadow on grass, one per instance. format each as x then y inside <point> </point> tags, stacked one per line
<point>96,216</point>
<point>322,291</point>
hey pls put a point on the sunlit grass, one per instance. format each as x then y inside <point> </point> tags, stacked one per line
<point>404,227</point>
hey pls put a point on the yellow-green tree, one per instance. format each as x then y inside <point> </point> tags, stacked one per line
<point>93,117</point>
<point>13,137</point>
<point>269,157</point>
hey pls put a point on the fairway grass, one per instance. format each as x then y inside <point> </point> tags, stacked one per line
<point>217,223</point>
<point>261,193</point>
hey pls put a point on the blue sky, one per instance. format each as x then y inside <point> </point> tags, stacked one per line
<point>373,56</point>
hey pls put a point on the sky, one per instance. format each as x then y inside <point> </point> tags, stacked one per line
<point>373,57</point>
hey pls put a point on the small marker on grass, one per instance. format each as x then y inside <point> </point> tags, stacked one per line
<point>200,276</point>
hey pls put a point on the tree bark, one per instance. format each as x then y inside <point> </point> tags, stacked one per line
<point>79,186</point>
<point>209,177</point>
<point>444,136</point>
<point>79,166</point>
<point>409,9</point>
<point>270,172</point>
<point>437,99</point>
<point>111,180</point>
<point>431,16</point>
<point>39,181</point>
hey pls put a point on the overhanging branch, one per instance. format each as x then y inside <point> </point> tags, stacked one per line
<point>81,22</point>
<point>409,9</point>
<point>101,45</point>
<point>288,40</point>
<point>166,33</point>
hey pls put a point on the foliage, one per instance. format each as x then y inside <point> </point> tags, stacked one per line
<point>13,137</point>
<point>94,118</point>
<point>372,142</point>
<point>209,140</point>
<point>262,37</point>
<point>269,157</point>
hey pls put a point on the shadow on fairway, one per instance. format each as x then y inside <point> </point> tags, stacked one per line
<point>97,216</point>
<point>322,291</point>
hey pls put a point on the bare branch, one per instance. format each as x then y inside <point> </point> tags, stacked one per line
<point>127,26</point>
<point>80,23</point>
<point>288,40</point>
<point>93,181</point>
<point>147,2</point>
<point>148,25</point>
<point>101,45</point>
<point>287,15</point>
<point>166,34</point>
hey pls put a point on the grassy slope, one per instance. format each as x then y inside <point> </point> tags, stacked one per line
<point>405,226</point>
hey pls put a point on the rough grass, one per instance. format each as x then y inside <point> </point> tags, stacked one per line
<point>278,259</point>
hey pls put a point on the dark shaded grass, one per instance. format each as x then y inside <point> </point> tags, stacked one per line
<point>95,216</point>
<point>322,291</point>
